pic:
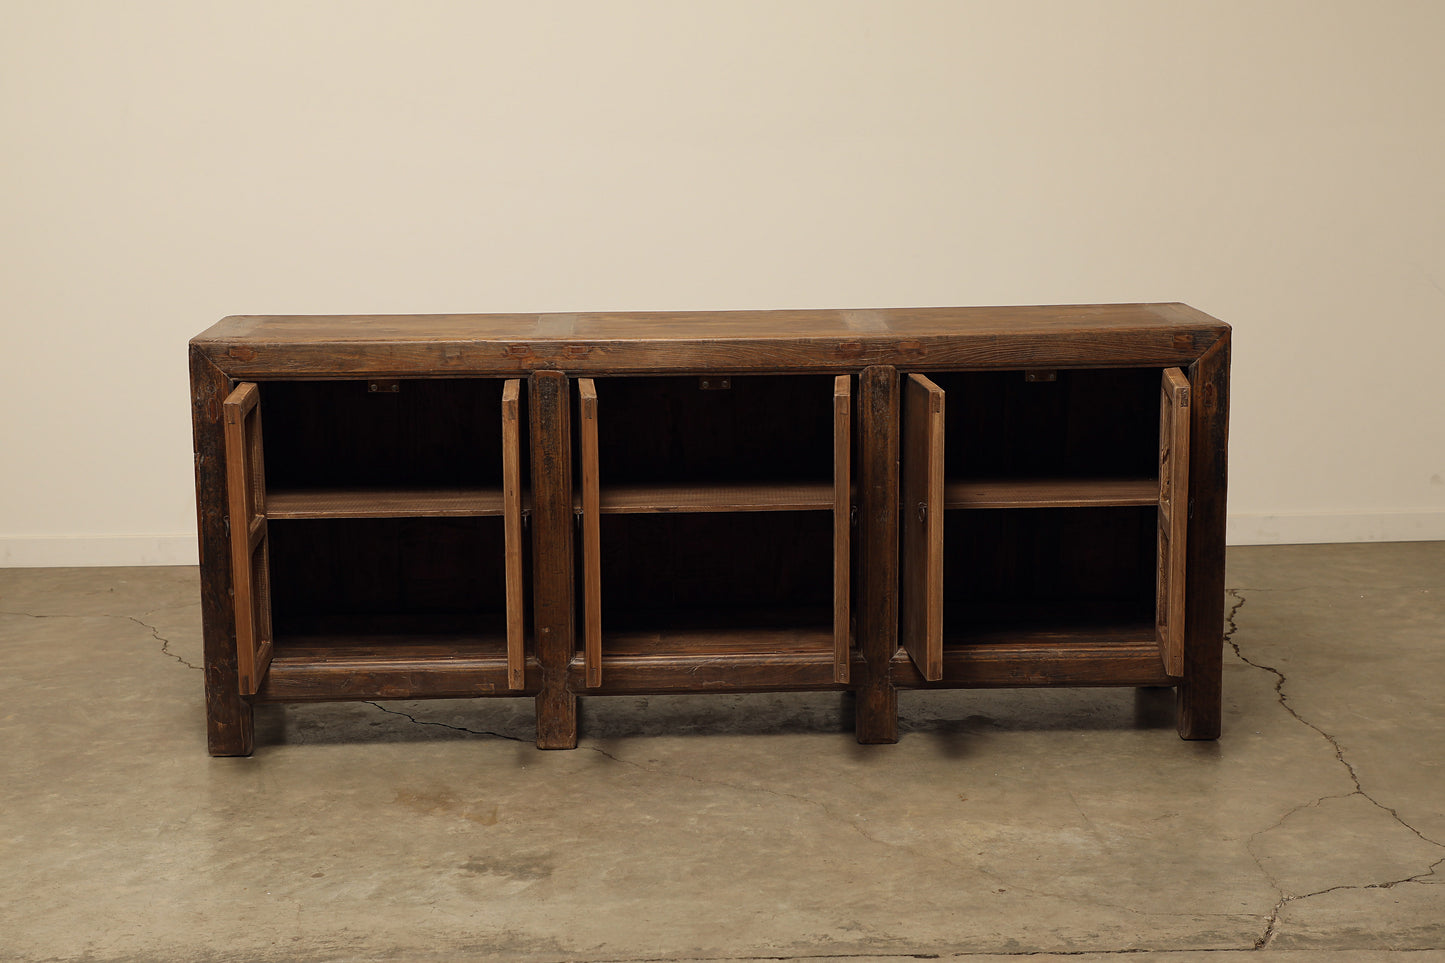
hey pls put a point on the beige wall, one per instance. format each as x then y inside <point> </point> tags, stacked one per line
<point>1277,164</point>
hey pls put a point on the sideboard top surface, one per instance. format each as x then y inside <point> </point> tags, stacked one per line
<point>440,345</point>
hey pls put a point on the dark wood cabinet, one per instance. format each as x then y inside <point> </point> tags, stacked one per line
<point>559,506</point>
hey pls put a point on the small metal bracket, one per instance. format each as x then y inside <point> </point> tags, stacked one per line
<point>1041,374</point>
<point>714,383</point>
<point>383,386</point>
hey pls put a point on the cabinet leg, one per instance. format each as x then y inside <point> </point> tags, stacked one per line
<point>556,720</point>
<point>1200,709</point>
<point>876,718</point>
<point>877,715</point>
<point>552,568</point>
<point>230,726</point>
<point>230,721</point>
<point>1200,695</point>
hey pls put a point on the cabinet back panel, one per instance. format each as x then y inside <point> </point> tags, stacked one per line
<point>1028,565</point>
<point>386,566</point>
<point>669,429</point>
<point>716,569</point>
<point>428,433</point>
<point>1086,423</point>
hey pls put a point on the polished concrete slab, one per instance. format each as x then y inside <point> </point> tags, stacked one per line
<point>1067,824</point>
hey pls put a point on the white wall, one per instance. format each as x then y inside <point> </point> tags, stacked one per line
<point>1277,164</point>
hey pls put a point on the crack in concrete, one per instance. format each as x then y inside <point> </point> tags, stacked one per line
<point>155,633</point>
<point>1272,922</point>
<point>165,643</point>
<point>443,725</point>
<point>1271,929</point>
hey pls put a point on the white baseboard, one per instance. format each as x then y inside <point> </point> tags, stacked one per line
<point>1308,528</point>
<point>62,551</point>
<point>53,551</point>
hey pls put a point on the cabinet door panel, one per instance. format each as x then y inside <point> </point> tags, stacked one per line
<point>591,533</point>
<point>1173,517</point>
<point>842,525</point>
<point>250,557</point>
<point>922,524</point>
<point>512,531</point>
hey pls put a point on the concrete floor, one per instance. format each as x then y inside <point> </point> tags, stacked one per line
<point>1003,823</point>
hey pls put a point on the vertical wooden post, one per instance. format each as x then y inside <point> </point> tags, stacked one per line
<point>1200,695</point>
<point>552,567</point>
<point>230,726</point>
<point>877,705</point>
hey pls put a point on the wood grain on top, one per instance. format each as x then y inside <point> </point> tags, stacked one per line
<point>299,346</point>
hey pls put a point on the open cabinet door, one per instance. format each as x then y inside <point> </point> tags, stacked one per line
<point>512,531</point>
<point>922,524</point>
<point>250,558</point>
<point>842,525</point>
<point>591,533</point>
<point>1173,517</point>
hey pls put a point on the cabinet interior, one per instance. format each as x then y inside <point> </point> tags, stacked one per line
<point>1083,425</point>
<point>386,512</point>
<point>716,579</point>
<point>716,529</point>
<point>1064,574</point>
<point>1050,497</point>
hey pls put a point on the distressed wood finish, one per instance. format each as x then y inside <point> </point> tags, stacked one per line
<point>743,513</point>
<point>661,342</point>
<point>876,708</point>
<point>1200,695</point>
<point>552,560</point>
<point>229,717</point>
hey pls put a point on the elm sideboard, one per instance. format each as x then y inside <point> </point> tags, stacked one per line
<point>580,505</point>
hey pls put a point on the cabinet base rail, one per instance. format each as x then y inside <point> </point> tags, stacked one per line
<point>357,673</point>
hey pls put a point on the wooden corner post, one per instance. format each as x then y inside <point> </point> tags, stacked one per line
<point>1200,693</point>
<point>230,726</point>
<point>876,712</point>
<point>552,564</point>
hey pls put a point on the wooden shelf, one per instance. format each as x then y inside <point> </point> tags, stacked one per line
<point>1057,632</point>
<point>383,502</point>
<point>1049,492</point>
<point>1061,654</point>
<point>744,659</point>
<point>737,497</point>
<point>715,642</point>
<point>390,657</point>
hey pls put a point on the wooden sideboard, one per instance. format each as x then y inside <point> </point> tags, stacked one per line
<point>564,505</point>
